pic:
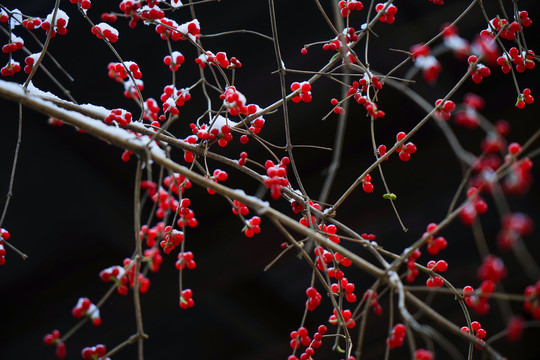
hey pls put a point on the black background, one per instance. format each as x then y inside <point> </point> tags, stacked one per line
<point>72,210</point>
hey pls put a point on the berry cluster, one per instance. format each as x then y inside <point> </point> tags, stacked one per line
<point>30,60</point>
<point>478,299</point>
<point>434,244</point>
<point>150,14</point>
<point>217,176</point>
<point>104,30</point>
<point>174,60</point>
<point>85,307</point>
<point>120,116</point>
<point>444,110</point>
<point>59,26</point>
<point>347,317</point>
<point>524,98</point>
<point>468,116</point>
<point>235,102</point>
<point>476,330</point>
<point>95,353</point>
<point>513,227</point>
<point>304,93</point>
<point>54,339</point>
<point>276,176</point>
<point>15,43</point>
<point>314,298</point>
<point>507,30</point>
<point>371,297</point>
<point>367,186</point>
<point>522,60</point>
<point>4,235</point>
<point>405,150</point>
<point>412,271</point>
<point>346,287</point>
<point>492,269</point>
<point>476,206</point>
<point>423,354</point>
<point>11,68</point>
<point>32,23</point>
<point>299,337</point>
<point>347,6</point>
<point>186,299</point>
<point>185,259</point>
<point>252,226</point>
<point>153,258</point>
<point>172,99</point>
<point>532,300</point>
<point>397,336</point>
<point>428,63</point>
<point>171,239</point>
<point>436,281</point>
<point>388,15</point>
<point>239,208</point>
<point>477,70</point>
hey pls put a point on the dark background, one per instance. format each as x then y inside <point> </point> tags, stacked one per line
<point>72,210</point>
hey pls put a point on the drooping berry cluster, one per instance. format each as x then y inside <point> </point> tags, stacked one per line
<point>397,336</point>
<point>436,281</point>
<point>406,150</point>
<point>85,307</point>
<point>277,176</point>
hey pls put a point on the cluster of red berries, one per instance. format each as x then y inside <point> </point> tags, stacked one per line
<point>347,317</point>
<point>11,68</point>
<point>314,298</point>
<point>322,258</point>
<point>397,336</point>
<point>151,111</point>
<point>299,337</point>
<point>347,6</point>
<point>330,232</point>
<point>235,102</point>
<point>471,210</point>
<point>16,43</point>
<point>85,307</point>
<point>347,288</point>
<point>174,60</point>
<point>424,60</point>
<point>405,150</point>
<point>252,227</point>
<point>477,70</point>
<point>423,354</point>
<point>4,235</point>
<point>217,176</point>
<point>144,282</point>
<point>315,344</point>
<point>109,17</point>
<point>304,93</point>
<point>32,23</point>
<point>151,13</point>
<point>456,43</point>
<point>519,178</point>
<point>513,227</point>
<point>276,176</point>
<point>240,208</point>
<point>30,60</point>
<point>371,297</point>
<point>434,244</point>
<point>388,15</point>
<point>507,30</point>
<point>185,259</point>
<point>367,186</point>
<point>60,25</point>
<point>188,155</point>
<point>54,339</point>
<point>173,98</point>
<point>191,29</point>
<point>412,271</point>
<point>476,330</point>
<point>95,353</point>
<point>514,328</point>
<point>153,258</point>
<point>478,299</point>
<point>166,28</point>
<point>522,61</point>
<point>468,117</point>
<point>171,239</point>
<point>444,110</point>
<point>104,30</point>
<point>119,71</point>
<point>492,269</point>
<point>436,281</point>
<point>120,116</point>
<point>243,158</point>
<point>532,300</point>
<point>130,8</point>
<point>524,98</point>
<point>186,299</point>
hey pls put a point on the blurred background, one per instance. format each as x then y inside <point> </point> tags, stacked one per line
<point>72,208</point>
